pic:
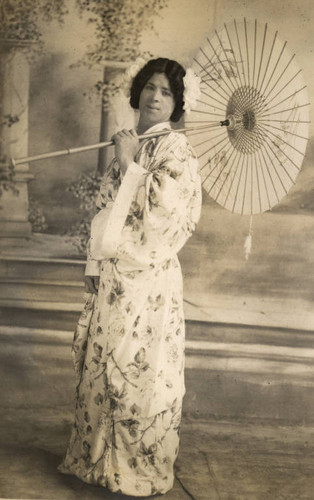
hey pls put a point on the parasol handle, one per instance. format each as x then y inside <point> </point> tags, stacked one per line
<point>65,152</point>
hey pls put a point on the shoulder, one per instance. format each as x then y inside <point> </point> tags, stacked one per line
<point>177,144</point>
<point>174,156</point>
<point>176,139</point>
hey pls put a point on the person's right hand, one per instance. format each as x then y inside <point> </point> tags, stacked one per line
<point>126,145</point>
<point>91,284</point>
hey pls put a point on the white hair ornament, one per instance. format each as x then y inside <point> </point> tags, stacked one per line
<point>131,73</point>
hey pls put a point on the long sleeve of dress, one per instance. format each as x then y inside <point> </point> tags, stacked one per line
<point>109,188</point>
<point>92,267</point>
<point>157,206</point>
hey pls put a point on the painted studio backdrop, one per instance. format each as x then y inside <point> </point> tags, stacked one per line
<point>65,111</point>
<point>249,321</point>
<point>246,357</point>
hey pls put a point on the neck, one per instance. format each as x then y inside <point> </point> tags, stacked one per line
<point>142,127</point>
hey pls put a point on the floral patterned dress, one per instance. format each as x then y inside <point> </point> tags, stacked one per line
<point>128,347</point>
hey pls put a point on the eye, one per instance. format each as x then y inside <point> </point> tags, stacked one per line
<point>167,93</point>
<point>149,86</point>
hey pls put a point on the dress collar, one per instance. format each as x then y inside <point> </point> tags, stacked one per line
<point>157,127</point>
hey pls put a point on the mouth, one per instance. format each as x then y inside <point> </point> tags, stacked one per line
<point>153,108</point>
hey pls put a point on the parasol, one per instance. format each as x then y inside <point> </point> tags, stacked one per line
<point>247,75</point>
<point>254,89</point>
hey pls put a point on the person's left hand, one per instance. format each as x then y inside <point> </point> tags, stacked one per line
<point>126,146</point>
<point>91,284</point>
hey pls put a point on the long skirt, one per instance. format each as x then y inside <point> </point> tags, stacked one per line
<point>133,457</point>
<point>128,355</point>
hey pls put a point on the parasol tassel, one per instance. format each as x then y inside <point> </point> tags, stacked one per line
<point>248,241</point>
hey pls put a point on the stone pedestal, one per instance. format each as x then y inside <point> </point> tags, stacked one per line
<point>14,95</point>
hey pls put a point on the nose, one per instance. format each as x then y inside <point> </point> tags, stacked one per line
<point>156,94</point>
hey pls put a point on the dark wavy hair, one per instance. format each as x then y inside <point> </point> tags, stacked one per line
<point>174,72</point>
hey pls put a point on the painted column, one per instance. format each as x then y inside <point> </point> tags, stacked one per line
<point>14,96</point>
<point>116,115</point>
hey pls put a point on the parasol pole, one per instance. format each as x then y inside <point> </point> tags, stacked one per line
<point>229,122</point>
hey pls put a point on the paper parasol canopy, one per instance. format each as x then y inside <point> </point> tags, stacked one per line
<point>248,75</point>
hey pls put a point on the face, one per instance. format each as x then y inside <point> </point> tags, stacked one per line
<point>156,103</point>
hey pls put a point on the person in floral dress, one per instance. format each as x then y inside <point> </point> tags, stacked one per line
<point>128,348</point>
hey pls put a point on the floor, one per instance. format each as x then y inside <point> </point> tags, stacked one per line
<point>217,461</point>
<point>245,459</point>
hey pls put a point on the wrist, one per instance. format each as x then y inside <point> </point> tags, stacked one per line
<point>124,164</point>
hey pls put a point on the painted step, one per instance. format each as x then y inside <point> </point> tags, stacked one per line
<point>42,268</point>
<point>37,315</point>
<point>41,290</point>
